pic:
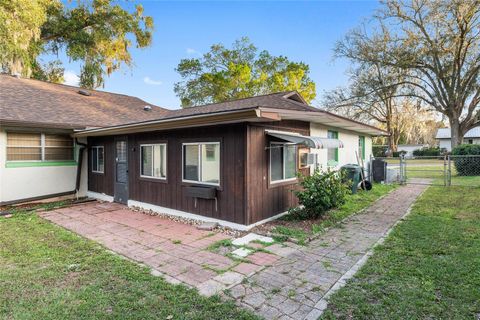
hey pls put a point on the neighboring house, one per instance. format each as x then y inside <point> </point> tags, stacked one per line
<point>234,162</point>
<point>444,137</point>
<point>409,148</point>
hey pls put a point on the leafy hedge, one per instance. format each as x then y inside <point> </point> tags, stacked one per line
<point>467,166</point>
<point>320,192</point>
<point>427,152</point>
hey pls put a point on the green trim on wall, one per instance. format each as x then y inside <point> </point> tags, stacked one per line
<point>26,164</point>
<point>333,135</point>
<point>362,145</point>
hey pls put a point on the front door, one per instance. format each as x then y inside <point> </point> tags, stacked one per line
<point>121,171</point>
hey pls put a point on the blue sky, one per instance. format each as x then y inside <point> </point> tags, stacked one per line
<point>301,30</point>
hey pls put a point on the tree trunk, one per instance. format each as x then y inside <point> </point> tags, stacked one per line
<point>455,132</point>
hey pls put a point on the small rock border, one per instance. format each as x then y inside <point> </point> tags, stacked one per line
<point>193,222</point>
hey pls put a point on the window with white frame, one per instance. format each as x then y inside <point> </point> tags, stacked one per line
<point>283,161</point>
<point>28,146</point>
<point>201,162</point>
<point>153,160</point>
<point>98,165</point>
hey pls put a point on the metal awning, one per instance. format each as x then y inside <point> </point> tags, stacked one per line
<point>308,141</point>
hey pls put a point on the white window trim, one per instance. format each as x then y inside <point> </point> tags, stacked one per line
<point>165,164</point>
<point>199,144</point>
<point>42,147</point>
<point>103,150</point>
<point>283,167</point>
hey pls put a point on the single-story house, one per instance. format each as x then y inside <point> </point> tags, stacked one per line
<point>445,139</point>
<point>409,148</point>
<point>234,162</point>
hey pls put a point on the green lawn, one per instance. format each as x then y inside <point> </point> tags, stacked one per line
<point>428,268</point>
<point>354,203</point>
<point>47,272</point>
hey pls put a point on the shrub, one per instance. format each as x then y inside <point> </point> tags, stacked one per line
<point>397,154</point>
<point>427,152</point>
<point>379,151</point>
<point>467,166</point>
<point>320,192</point>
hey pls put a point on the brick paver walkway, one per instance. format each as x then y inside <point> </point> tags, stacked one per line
<point>175,250</point>
<point>295,285</point>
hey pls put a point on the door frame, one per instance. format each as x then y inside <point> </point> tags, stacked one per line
<point>116,189</point>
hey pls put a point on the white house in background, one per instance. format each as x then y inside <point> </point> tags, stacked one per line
<point>409,148</point>
<point>445,141</point>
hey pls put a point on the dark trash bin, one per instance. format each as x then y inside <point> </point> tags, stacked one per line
<point>352,172</point>
<point>379,168</point>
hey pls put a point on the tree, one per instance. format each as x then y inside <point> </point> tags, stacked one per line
<point>224,74</point>
<point>437,43</point>
<point>371,95</point>
<point>96,33</point>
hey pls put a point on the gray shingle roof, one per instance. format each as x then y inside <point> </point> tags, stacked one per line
<point>38,102</point>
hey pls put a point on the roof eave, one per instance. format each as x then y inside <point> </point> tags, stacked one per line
<point>217,118</point>
<point>327,119</point>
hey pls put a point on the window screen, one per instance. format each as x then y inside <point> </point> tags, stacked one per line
<point>154,161</point>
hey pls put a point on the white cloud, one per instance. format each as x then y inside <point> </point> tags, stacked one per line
<point>191,51</point>
<point>152,82</point>
<point>70,78</point>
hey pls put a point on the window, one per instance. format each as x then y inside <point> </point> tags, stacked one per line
<point>361,147</point>
<point>97,159</point>
<point>332,152</point>
<point>201,162</point>
<point>153,160</point>
<point>283,161</point>
<point>23,146</point>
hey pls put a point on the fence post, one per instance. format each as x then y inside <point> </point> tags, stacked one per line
<point>449,177</point>
<point>445,170</point>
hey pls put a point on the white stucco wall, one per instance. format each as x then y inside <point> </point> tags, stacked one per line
<point>346,154</point>
<point>36,181</point>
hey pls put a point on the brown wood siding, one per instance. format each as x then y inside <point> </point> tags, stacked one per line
<point>171,193</point>
<point>98,182</point>
<point>264,200</point>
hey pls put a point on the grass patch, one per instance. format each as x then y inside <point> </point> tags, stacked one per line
<point>428,268</point>
<point>47,272</point>
<point>214,247</point>
<point>300,230</point>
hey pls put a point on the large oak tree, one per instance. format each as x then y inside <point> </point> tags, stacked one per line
<point>96,33</point>
<point>437,43</point>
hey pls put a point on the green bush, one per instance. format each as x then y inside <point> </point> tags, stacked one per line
<point>320,192</point>
<point>379,151</point>
<point>397,154</point>
<point>467,166</point>
<point>427,152</point>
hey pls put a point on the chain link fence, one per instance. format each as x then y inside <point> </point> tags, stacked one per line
<point>448,170</point>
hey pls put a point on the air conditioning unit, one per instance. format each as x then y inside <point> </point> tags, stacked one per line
<point>307,159</point>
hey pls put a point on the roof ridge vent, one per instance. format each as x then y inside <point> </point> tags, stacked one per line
<point>84,93</point>
<point>147,108</point>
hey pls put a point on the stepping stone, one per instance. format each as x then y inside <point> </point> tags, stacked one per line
<point>229,278</point>
<point>210,287</point>
<point>242,252</point>
<point>251,237</point>
<point>207,226</point>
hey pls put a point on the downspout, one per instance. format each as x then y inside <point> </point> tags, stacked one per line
<point>83,146</point>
